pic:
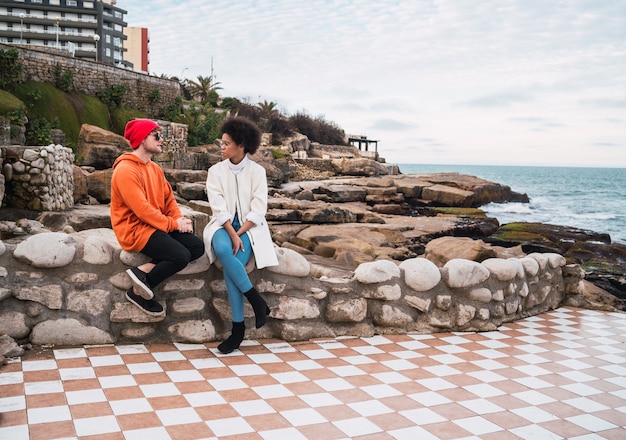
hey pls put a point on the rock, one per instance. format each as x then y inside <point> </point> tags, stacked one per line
<point>359,167</point>
<point>458,273</point>
<point>191,191</point>
<point>51,249</point>
<point>290,263</point>
<point>99,148</point>
<point>376,272</point>
<point>8,347</point>
<point>441,250</point>
<point>420,274</point>
<point>99,185</point>
<point>193,331</point>
<point>68,332</point>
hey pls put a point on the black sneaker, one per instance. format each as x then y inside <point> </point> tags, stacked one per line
<point>148,306</point>
<point>140,281</point>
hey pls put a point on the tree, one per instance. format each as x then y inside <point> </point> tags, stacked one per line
<point>204,89</point>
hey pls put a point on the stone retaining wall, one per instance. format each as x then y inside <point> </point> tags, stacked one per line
<point>68,289</point>
<point>38,178</point>
<point>91,78</point>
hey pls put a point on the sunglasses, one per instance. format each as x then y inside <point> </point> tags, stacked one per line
<point>157,135</point>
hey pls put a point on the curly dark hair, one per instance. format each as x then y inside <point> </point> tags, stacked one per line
<point>243,132</point>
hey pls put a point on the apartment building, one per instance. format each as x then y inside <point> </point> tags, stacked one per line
<point>88,29</point>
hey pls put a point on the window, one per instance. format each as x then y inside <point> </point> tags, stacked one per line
<point>55,2</point>
<point>107,38</point>
<point>36,1</point>
<point>88,5</point>
<point>72,3</point>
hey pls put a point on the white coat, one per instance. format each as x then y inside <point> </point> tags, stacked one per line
<point>244,194</point>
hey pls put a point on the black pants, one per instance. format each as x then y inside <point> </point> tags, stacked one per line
<point>171,253</point>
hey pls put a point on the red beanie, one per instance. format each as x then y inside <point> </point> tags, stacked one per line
<point>139,129</point>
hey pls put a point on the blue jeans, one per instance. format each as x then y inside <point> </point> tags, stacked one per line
<point>235,275</point>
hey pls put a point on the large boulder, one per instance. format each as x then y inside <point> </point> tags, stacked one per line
<point>99,148</point>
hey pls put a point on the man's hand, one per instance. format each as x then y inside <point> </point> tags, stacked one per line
<point>185,225</point>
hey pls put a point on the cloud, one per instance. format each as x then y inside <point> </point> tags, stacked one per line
<point>503,99</point>
<point>606,103</point>
<point>476,75</point>
<point>391,125</point>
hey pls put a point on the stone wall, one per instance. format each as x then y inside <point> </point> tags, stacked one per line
<point>68,289</point>
<point>91,78</point>
<point>38,178</point>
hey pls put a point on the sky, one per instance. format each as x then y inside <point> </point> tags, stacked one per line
<point>468,82</point>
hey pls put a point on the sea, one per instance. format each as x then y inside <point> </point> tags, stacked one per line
<point>592,199</point>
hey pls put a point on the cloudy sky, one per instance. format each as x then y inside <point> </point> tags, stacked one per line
<point>503,82</point>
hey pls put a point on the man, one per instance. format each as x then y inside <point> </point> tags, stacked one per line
<point>146,217</point>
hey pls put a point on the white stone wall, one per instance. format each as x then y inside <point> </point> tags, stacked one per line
<point>42,179</point>
<point>68,289</point>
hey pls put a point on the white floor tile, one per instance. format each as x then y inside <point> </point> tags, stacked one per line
<point>77,373</point>
<point>144,368</point>
<point>230,426</point>
<point>167,356</point>
<point>534,414</point>
<point>208,398</point>
<point>156,433</point>
<point>49,414</point>
<point>334,384</point>
<point>85,396</point>
<point>104,361</point>
<point>159,390</point>
<point>422,416</point>
<point>357,426</point>
<point>591,422</point>
<point>303,416</point>
<point>130,406</point>
<point>96,426</point>
<point>45,365</point>
<point>478,425</point>
<point>252,408</point>
<point>272,391</point>
<point>43,387</point>
<point>14,403</point>
<point>318,400</point>
<point>178,376</point>
<point>117,381</point>
<point>369,408</point>
<point>178,416</point>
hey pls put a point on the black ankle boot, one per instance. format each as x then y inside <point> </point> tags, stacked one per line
<point>261,310</point>
<point>234,340</point>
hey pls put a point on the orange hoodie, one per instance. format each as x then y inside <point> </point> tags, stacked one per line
<point>142,201</point>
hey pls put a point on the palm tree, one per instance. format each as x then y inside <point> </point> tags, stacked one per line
<point>203,88</point>
<point>268,108</point>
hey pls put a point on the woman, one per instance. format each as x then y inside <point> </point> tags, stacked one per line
<point>237,192</point>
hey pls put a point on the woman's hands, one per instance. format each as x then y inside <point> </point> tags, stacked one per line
<point>237,243</point>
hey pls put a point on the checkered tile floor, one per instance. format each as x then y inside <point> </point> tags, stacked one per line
<point>560,375</point>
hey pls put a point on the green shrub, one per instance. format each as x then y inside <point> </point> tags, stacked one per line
<point>154,96</point>
<point>10,68</point>
<point>277,153</point>
<point>38,132</point>
<point>113,96</point>
<point>317,129</point>
<point>63,79</point>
